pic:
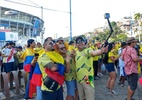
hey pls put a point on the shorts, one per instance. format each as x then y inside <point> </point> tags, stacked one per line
<point>20,66</point>
<point>8,67</point>
<point>110,67</point>
<point>71,86</point>
<point>132,81</point>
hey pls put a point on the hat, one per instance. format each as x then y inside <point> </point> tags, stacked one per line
<point>79,38</point>
<point>131,39</point>
<point>30,41</point>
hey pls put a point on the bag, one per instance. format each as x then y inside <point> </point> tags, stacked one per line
<point>50,83</point>
<point>105,58</point>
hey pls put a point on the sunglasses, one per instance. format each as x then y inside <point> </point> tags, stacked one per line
<point>79,41</point>
<point>51,43</point>
<point>62,48</point>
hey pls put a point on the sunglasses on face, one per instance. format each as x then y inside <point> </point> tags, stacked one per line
<point>51,43</point>
<point>79,41</point>
<point>62,48</point>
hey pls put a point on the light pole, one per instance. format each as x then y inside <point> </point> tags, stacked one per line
<point>70,20</point>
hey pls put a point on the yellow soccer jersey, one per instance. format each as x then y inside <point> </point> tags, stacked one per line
<point>84,64</point>
<point>110,54</point>
<point>71,75</point>
<point>96,58</point>
<point>42,61</point>
<point>19,53</point>
<point>37,49</point>
<point>71,48</point>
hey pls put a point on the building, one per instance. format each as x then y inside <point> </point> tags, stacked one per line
<point>128,25</point>
<point>26,25</point>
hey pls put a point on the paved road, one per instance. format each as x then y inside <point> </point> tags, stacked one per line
<point>102,93</point>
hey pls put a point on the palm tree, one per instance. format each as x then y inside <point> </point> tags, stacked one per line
<point>138,17</point>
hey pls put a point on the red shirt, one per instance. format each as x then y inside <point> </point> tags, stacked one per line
<point>128,54</point>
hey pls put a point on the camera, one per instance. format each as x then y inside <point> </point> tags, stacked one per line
<point>36,55</point>
<point>107,15</point>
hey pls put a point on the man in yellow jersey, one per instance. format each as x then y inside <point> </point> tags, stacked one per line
<point>84,68</point>
<point>70,74</point>
<point>51,56</point>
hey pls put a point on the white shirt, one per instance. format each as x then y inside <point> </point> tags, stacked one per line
<point>6,52</point>
<point>121,62</point>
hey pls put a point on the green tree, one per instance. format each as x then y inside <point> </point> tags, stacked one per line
<point>113,24</point>
<point>121,37</point>
<point>138,17</point>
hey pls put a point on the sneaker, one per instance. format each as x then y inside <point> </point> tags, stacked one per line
<point>113,92</point>
<point>122,85</point>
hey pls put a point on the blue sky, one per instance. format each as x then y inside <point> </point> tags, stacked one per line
<point>87,14</point>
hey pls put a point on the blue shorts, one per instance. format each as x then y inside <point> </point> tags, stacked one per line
<point>8,67</point>
<point>20,66</point>
<point>71,86</point>
<point>110,67</point>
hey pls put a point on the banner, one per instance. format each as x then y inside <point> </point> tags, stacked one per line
<point>8,36</point>
<point>36,27</point>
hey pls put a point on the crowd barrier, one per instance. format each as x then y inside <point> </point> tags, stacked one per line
<point>15,89</point>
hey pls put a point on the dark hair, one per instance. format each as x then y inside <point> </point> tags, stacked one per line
<point>105,58</point>
<point>71,42</point>
<point>12,43</point>
<point>123,44</point>
<point>47,39</point>
<point>30,41</point>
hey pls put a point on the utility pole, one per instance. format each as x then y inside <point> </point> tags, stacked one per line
<point>131,24</point>
<point>42,31</point>
<point>70,4</point>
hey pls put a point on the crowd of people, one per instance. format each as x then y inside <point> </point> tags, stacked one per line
<point>77,64</point>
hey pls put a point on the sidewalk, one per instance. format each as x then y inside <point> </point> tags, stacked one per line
<point>102,94</point>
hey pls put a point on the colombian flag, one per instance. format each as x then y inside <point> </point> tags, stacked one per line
<point>37,77</point>
<point>58,75</point>
<point>30,87</point>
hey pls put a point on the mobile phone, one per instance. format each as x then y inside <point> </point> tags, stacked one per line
<point>36,54</point>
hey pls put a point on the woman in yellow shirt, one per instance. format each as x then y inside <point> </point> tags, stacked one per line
<point>111,58</point>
